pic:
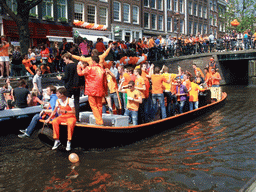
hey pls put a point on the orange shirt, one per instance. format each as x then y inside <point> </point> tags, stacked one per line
<point>127,79</point>
<point>4,50</point>
<point>139,82</point>
<point>187,83</point>
<point>132,104</point>
<point>215,81</point>
<point>207,77</point>
<point>199,70</point>
<point>45,53</point>
<point>27,62</point>
<point>100,47</point>
<point>111,84</point>
<point>151,43</point>
<point>193,93</point>
<point>157,83</point>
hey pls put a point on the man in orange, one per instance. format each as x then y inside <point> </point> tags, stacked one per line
<point>157,89</point>
<point>212,64</point>
<point>100,46</point>
<point>134,99</point>
<point>208,76</point>
<point>65,108</point>
<point>27,63</point>
<point>193,95</point>
<point>126,78</point>
<point>215,78</point>
<point>95,86</point>
<point>94,53</point>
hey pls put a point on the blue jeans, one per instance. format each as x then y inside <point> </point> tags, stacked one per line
<point>133,115</point>
<point>215,85</point>
<point>181,105</point>
<point>160,98</point>
<point>32,124</point>
<point>193,105</point>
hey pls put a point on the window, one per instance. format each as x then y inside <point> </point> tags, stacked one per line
<point>146,20</point>
<point>169,5</point>
<point>146,3</point>
<point>181,6</point>
<point>116,10</point>
<point>103,16</point>
<point>200,28</point>
<point>195,9</point>
<point>160,23</point>
<point>34,11</point>
<point>175,25</point>
<point>215,33</point>
<point>205,30</point>
<point>79,11</point>
<point>47,8</point>
<point>181,26</point>
<point>200,10</point>
<point>205,12</point>
<point>195,28</point>
<point>160,4</point>
<point>62,8</point>
<point>190,8</point>
<point>135,15</point>
<point>12,4</point>
<point>175,5</point>
<point>211,19</point>
<point>91,9</point>
<point>169,24</point>
<point>211,5</point>
<point>153,4</point>
<point>215,20</point>
<point>214,6</point>
<point>190,27</point>
<point>153,21</point>
<point>126,13</point>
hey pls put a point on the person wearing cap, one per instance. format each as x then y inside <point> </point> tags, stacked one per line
<point>212,64</point>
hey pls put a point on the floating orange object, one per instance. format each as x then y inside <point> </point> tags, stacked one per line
<point>235,23</point>
<point>89,25</point>
<point>73,158</point>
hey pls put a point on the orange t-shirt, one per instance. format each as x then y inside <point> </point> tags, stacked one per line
<point>127,79</point>
<point>4,50</point>
<point>187,83</point>
<point>132,104</point>
<point>100,47</point>
<point>200,71</point>
<point>207,77</point>
<point>139,82</point>
<point>193,94</point>
<point>157,83</point>
<point>27,62</point>
<point>151,43</point>
<point>111,84</point>
<point>215,81</point>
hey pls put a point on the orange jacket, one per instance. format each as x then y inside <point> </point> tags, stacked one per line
<point>4,50</point>
<point>95,80</point>
<point>100,47</point>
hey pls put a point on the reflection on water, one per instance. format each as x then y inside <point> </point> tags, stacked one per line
<point>215,152</point>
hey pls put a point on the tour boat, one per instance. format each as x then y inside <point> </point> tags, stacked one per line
<point>91,136</point>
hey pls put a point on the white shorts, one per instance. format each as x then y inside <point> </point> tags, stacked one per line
<point>4,58</point>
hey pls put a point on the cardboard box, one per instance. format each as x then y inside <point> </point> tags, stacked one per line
<point>216,93</point>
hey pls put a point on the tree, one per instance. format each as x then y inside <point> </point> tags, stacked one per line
<point>21,17</point>
<point>243,11</point>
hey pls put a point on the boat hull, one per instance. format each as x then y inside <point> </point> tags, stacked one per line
<point>101,137</point>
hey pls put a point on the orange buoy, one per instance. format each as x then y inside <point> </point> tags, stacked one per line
<point>73,158</point>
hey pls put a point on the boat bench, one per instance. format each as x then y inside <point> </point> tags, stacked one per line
<point>108,119</point>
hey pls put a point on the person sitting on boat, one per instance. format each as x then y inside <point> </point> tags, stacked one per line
<point>95,86</point>
<point>51,92</point>
<point>133,100</point>
<point>216,78</point>
<point>193,95</point>
<point>21,94</point>
<point>5,89</point>
<point>65,108</point>
<point>207,79</point>
<point>181,94</point>
<point>34,100</point>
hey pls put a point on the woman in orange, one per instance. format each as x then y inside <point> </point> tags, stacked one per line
<point>4,57</point>
<point>27,63</point>
<point>66,110</point>
<point>215,78</point>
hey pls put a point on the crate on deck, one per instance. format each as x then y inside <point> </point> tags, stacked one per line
<point>112,120</point>
<point>216,93</point>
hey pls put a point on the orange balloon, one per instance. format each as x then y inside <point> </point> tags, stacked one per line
<point>73,158</point>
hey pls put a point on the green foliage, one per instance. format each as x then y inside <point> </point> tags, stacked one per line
<point>63,20</point>
<point>48,17</point>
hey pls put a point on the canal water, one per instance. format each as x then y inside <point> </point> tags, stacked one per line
<point>216,152</point>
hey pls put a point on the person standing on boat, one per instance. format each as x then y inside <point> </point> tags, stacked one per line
<point>4,56</point>
<point>50,91</point>
<point>216,78</point>
<point>37,83</point>
<point>71,80</point>
<point>95,86</point>
<point>197,69</point>
<point>181,94</point>
<point>65,108</point>
<point>193,95</point>
<point>134,99</point>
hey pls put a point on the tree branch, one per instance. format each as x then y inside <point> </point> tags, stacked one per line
<point>31,4</point>
<point>8,10</point>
